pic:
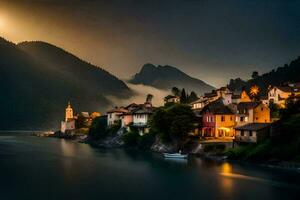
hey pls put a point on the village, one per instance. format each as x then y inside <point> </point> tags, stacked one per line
<point>222,116</point>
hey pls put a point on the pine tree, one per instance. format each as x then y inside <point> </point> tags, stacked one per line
<point>183,98</point>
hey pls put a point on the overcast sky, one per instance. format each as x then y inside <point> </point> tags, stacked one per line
<point>210,40</point>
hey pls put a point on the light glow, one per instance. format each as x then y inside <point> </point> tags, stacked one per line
<point>2,23</point>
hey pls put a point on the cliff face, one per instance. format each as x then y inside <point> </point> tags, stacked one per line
<point>167,77</point>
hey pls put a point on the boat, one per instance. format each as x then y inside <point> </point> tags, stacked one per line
<point>175,155</point>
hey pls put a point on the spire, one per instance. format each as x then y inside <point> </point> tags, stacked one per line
<point>69,112</point>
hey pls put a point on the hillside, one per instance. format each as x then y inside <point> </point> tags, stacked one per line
<point>287,73</point>
<point>37,79</point>
<point>166,77</point>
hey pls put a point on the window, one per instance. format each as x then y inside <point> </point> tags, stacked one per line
<point>262,109</point>
<point>222,118</point>
<point>231,118</point>
<point>250,133</point>
<point>242,133</point>
<point>242,119</point>
<point>246,119</point>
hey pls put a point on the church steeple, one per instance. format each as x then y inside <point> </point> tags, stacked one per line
<point>69,112</point>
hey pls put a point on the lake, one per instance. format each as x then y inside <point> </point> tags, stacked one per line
<point>50,168</point>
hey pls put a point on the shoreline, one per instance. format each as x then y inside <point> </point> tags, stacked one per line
<point>282,165</point>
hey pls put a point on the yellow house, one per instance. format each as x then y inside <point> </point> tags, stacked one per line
<point>224,125</point>
<point>252,112</point>
<point>217,120</point>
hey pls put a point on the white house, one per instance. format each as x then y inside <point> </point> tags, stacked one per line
<point>171,99</point>
<point>278,94</point>
<point>140,119</point>
<point>114,115</point>
<point>199,104</point>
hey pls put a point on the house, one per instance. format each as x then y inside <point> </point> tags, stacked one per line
<point>279,94</point>
<point>171,99</point>
<point>252,132</point>
<point>252,112</point>
<point>69,123</point>
<point>224,93</point>
<point>217,120</point>
<point>114,115</point>
<point>126,119</point>
<point>238,97</point>
<point>141,117</point>
<point>199,104</point>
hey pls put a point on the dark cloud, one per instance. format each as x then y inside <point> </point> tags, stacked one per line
<point>212,40</point>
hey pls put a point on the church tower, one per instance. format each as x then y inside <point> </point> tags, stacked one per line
<point>69,112</point>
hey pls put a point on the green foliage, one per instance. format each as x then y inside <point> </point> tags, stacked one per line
<point>274,110</point>
<point>172,122</point>
<point>113,129</point>
<point>183,96</point>
<point>134,139</point>
<point>98,129</point>
<point>176,91</point>
<point>193,97</point>
<point>255,75</point>
<point>287,73</point>
<point>131,138</point>
<point>146,141</point>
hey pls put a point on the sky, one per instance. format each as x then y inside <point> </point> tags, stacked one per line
<point>210,40</point>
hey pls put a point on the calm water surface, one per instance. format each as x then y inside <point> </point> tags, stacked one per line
<point>49,168</point>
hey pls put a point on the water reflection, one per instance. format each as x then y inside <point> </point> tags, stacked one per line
<point>77,171</point>
<point>226,170</point>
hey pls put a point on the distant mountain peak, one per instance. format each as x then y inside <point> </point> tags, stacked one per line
<point>166,77</point>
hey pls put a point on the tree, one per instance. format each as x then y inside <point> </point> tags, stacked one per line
<point>98,129</point>
<point>193,97</point>
<point>173,123</point>
<point>255,75</point>
<point>183,96</point>
<point>175,91</point>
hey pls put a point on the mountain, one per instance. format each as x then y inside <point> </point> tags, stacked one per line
<point>38,79</point>
<point>287,73</point>
<point>166,77</point>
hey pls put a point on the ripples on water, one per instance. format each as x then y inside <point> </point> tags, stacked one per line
<point>49,168</point>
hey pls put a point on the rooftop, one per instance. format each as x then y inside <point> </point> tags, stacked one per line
<point>253,126</point>
<point>217,107</point>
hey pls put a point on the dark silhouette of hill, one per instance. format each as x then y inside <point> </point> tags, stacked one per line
<point>166,77</point>
<point>38,79</point>
<point>281,75</point>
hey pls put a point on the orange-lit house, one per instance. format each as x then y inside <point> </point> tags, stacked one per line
<point>217,120</point>
<point>240,97</point>
<point>252,112</point>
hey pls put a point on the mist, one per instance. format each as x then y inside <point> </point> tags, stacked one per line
<point>141,92</point>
